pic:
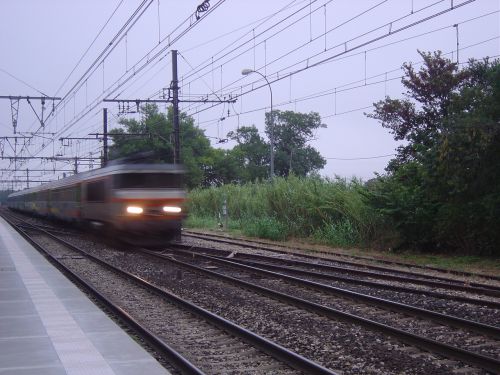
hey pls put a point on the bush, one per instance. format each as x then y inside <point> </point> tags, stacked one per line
<point>265,227</point>
<point>342,233</point>
<point>298,206</point>
<point>194,221</point>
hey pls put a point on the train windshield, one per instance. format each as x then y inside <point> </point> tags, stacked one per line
<point>148,180</point>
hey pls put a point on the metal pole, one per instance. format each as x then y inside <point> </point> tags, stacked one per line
<point>175,104</point>
<point>105,137</point>
<point>272,132</point>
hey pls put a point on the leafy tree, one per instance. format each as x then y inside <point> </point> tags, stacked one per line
<point>219,168</point>
<point>443,188</point>
<point>155,133</point>
<point>467,164</point>
<point>292,131</point>
<point>251,154</point>
<point>418,117</point>
<point>207,166</point>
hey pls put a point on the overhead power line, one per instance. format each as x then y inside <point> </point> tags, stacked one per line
<point>353,85</point>
<point>142,63</point>
<point>139,11</point>
<point>282,73</point>
<point>90,46</point>
<point>362,158</point>
<point>260,22</point>
<point>23,82</point>
<point>209,62</point>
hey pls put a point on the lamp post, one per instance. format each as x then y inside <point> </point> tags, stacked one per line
<point>246,72</point>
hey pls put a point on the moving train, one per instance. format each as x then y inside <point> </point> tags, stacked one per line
<point>142,203</point>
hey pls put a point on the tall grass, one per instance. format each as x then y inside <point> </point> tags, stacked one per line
<point>329,211</point>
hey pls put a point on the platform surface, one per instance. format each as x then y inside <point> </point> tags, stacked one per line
<point>49,327</point>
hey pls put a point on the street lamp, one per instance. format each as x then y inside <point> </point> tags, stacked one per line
<point>246,72</point>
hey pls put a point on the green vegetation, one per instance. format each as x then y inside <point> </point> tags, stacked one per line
<point>442,192</point>
<point>329,211</point>
<point>292,131</point>
<point>207,166</point>
<point>479,264</point>
<point>156,129</point>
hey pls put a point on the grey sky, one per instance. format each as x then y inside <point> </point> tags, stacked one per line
<point>41,42</point>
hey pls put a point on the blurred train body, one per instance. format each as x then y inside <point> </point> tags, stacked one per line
<point>142,203</point>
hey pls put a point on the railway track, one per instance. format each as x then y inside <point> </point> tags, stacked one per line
<point>471,325</point>
<point>490,334</point>
<point>301,315</point>
<point>195,340</point>
<point>481,309</point>
<point>374,287</point>
<point>318,318</point>
<point>419,282</point>
<point>305,253</point>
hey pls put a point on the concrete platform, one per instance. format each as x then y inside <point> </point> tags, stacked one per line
<point>49,327</point>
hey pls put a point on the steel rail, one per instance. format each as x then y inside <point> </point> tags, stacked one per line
<point>181,363</point>
<point>481,328</point>
<point>372,284</point>
<point>453,285</point>
<point>487,363</point>
<point>474,359</point>
<point>243,242</point>
<point>274,350</point>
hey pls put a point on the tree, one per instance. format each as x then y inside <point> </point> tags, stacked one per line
<point>417,118</point>
<point>443,188</point>
<point>467,164</point>
<point>292,131</point>
<point>219,168</point>
<point>207,166</point>
<point>251,154</point>
<point>155,133</point>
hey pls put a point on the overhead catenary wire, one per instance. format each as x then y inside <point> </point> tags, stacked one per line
<point>353,85</point>
<point>209,61</point>
<point>282,30</point>
<point>97,62</point>
<point>277,73</point>
<point>331,58</point>
<point>120,82</point>
<point>23,82</point>
<point>90,46</point>
<point>139,80</point>
<point>306,60</point>
<point>259,21</point>
<point>358,15</point>
<point>207,64</point>
<point>139,11</point>
<point>360,158</point>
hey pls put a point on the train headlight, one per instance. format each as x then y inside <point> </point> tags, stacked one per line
<point>134,210</point>
<point>172,209</point>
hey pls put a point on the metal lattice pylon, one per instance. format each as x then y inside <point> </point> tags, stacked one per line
<point>14,108</point>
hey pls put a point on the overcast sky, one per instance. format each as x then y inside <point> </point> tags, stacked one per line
<point>343,72</point>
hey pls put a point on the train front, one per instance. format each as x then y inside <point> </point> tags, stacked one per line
<point>148,201</point>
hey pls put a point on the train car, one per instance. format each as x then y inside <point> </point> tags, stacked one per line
<point>142,202</point>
